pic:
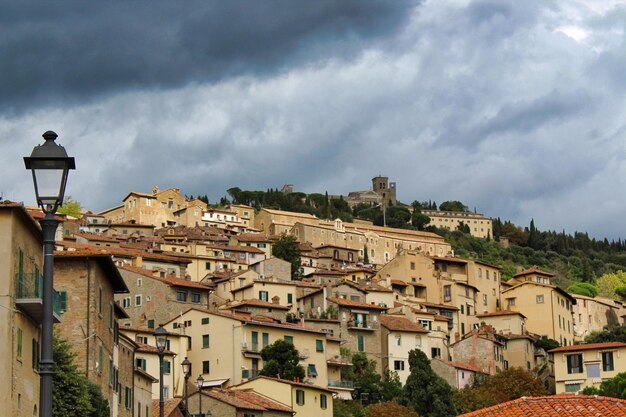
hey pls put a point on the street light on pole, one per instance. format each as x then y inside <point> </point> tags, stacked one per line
<point>382,205</point>
<point>186,364</point>
<point>50,166</point>
<point>160,335</point>
<point>200,383</point>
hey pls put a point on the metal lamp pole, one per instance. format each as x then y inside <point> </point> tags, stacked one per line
<point>200,383</point>
<point>50,165</point>
<point>160,335</point>
<point>186,364</point>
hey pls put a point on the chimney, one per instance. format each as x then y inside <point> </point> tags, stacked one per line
<point>388,279</point>
<point>275,299</point>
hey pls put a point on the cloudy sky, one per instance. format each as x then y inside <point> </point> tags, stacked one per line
<point>514,107</point>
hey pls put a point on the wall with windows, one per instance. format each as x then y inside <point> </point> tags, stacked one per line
<point>581,366</point>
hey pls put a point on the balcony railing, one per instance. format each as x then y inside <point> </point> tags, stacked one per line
<point>29,293</point>
<point>249,373</point>
<point>335,383</point>
<point>363,326</point>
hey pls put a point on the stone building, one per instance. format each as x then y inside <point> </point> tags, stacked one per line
<point>482,349</point>
<point>479,225</point>
<point>236,403</point>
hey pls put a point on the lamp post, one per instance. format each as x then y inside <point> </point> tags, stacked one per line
<point>160,335</point>
<point>186,364</point>
<point>200,383</point>
<point>50,165</point>
<point>382,205</point>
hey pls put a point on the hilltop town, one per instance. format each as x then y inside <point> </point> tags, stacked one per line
<point>226,286</point>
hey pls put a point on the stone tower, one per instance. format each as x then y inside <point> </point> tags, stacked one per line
<point>386,189</point>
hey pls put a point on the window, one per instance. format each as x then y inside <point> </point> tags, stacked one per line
<point>181,296</point>
<point>206,367</point>
<point>361,343</point>
<point>151,324</point>
<point>413,265</point>
<point>607,361</point>
<point>167,367</point>
<point>128,400</point>
<point>319,345</point>
<point>138,300</point>
<point>427,324</point>
<point>205,320</point>
<point>511,301</point>
<point>289,339</point>
<point>19,343</point>
<point>205,341</point>
<point>195,297</point>
<point>207,265</point>
<point>398,365</point>
<point>311,371</point>
<point>572,387</point>
<point>289,298</point>
<point>323,401</point>
<point>100,359</point>
<point>35,354</point>
<point>435,352</point>
<point>447,293</point>
<point>398,340</point>
<point>266,339</point>
<point>263,296</point>
<point>140,363</point>
<point>574,364</point>
<point>540,299</point>
<point>462,309</point>
<point>100,301</point>
<point>299,397</point>
<point>484,299</point>
<point>593,370</point>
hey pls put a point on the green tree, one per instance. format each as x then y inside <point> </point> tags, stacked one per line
<point>608,283</point>
<point>367,382</point>
<point>348,408</point>
<point>99,404</point>
<point>391,387</point>
<point>389,409</point>
<point>286,248</point>
<point>70,388</point>
<point>616,333</point>
<point>452,206</point>
<point>614,387</point>
<point>547,344</point>
<point>583,288</point>
<point>504,386</point>
<point>71,207</point>
<point>282,360</point>
<point>426,392</point>
<point>419,220</point>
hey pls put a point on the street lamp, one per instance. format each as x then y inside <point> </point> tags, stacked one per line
<point>50,165</point>
<point>382,205</point>
<point>200,383</point>
<point>186,364</point>
<point>160,335</point>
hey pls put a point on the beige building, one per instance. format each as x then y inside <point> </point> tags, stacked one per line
<point>480,226</point>
<point>305,400</point>
<point>548,309</point>
<point>399,336</point>
<point>593,314</point>
<point>587,365</point>
<point>225,347</point>
<point>457,374</point>
<point>236,403</point>
<point>246,214</point>
<point>21,315</point>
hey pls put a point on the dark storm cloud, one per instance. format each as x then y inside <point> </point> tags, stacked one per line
<point>71,51</point>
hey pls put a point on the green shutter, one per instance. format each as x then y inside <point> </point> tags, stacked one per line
<point>319,345</point>
<point>266,339</point>
<point>361,344</point>
<point>100,358</point>
<point>63,301</point>
<point>289,298</point>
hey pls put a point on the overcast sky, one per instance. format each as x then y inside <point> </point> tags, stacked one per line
<point>516,108</point>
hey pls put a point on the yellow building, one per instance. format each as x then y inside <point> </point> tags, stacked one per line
<point>304,399</point>
<point>580,366</point>
<point>548,309</point>
<point>246,214</point>
<point>225,347</point>
<point>593,314</point>
<point>21,312</point>
<point>399,336</point>
<point>479,225</point>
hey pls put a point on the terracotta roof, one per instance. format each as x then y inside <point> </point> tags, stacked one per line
<point>151,349</point>
<point>247,399</point>
<point>554,287</point>
<point>104,259</point>
<point>399,282</point>
<point>289,213</point>
<point>460,365</point>
<point>433,305</point>
<point>292,383</point>
<point>258,303</point>
<point>96,236</point>
<point>533,270</point>
<point>501,313</point>
<point>563,405</point>
<point>588,346</point>
<point>349,303</point>
<point>169,406</point>
<point>401,324</point>
<point>146,375</point>
<point>254,237</point>
<point>170,280</point>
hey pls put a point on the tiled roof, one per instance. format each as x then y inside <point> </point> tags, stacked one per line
<point>501,313</point>
<point>151,349</point>
<point>433,305</point>
<point>399,282</point>
<point>96,236</point>
<point>401,324</point>
<point>247,399</point>
<point>292,383</point>
<point>170,280</point>
<point>349,303</point>
<point>588,346</point>
<point>460,365</point>
<point>533,270</point>
<point>169,406</point>
<point>255,237</point>
<point>290,213</point>
<point>564,405</point>
<point>258,303</point>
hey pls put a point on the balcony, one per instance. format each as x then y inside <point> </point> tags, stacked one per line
<point>335,383</point>
<point>28,293</point>
<point>249,373</point>
<point>363,326</point>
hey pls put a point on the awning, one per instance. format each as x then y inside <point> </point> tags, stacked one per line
<point>574,382</point>
<point>344,395</point>
<point>213,382</point>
